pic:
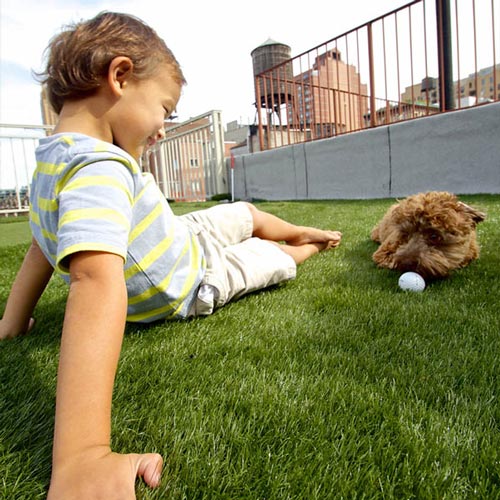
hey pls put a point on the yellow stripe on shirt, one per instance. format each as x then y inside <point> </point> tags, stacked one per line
<point>103,147</point>
<point>194,267</point>
<point>34,217</point>
<point>145,223</point>
<point>68,139</point>
<point>152,255</point>
<point>47,204</point>
<point>95,213</point>
<point>164,283</point>
<point>49,168</point>
<point>50,236</point>
<point>98,180</point>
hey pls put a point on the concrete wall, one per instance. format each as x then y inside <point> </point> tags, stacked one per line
<point>457,151</point>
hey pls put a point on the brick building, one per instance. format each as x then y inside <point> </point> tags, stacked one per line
<point>329,97</point>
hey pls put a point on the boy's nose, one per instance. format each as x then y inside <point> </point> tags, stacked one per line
<point>160,134</point>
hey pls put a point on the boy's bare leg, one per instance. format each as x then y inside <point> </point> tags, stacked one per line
<point>301,253</point>
<point>269,227</point>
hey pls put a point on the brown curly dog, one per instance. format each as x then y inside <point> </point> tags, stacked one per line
<point>429,233</point>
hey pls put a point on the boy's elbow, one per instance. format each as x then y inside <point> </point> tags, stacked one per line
<point>96,266</point>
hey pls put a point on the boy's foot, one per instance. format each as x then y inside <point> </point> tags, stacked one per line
<point>326,239</point>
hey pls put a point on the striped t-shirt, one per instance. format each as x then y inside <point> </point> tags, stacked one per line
<point>89,195</point>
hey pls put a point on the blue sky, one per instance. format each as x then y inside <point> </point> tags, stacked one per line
<point>211,40</point>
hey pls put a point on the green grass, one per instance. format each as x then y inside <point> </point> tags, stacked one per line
<point>14,230</point>
<point>334,385</point>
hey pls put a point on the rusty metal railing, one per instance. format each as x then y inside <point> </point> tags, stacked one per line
<point>393,68</point>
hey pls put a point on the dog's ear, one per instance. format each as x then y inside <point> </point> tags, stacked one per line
<point>476,215</point>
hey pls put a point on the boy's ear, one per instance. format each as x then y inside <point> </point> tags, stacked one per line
<point>120,71</point>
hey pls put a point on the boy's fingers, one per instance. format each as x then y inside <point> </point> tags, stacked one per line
<point>148,466</point>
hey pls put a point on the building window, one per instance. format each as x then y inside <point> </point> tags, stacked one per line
<point>193,162</point>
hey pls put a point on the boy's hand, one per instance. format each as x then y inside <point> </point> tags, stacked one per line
<point>7,332</point>
<point>101,474</point>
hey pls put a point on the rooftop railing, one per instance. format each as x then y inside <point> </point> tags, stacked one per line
<point>17,164</point>
<point>427,57</point>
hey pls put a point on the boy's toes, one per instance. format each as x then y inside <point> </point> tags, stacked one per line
<point>332,244</point>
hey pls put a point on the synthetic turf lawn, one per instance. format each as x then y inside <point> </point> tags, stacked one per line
<point>334,385</point>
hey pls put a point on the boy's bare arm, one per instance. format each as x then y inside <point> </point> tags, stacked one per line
<point>83,463</point>
<point>30,282</point>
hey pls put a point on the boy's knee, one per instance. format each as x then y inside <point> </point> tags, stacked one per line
<point>251,207</point>
<point>255,213</point>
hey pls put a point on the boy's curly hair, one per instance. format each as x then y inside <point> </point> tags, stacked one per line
<point>79,57</point>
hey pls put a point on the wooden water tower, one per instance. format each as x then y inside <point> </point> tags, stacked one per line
<point>275,88</point>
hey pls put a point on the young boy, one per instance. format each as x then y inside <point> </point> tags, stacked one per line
<point>107,230</point>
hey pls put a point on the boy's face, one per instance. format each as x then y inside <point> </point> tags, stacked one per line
<point>144,107</point>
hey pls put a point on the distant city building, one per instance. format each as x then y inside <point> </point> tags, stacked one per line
<point>392,113</point>
<point>425,93</point>
<point>473,89</point>
<point>188,164</point>
<point>179,165</point>
<point>482,86</point>
<point>235,132</point>
<point>329,98</point>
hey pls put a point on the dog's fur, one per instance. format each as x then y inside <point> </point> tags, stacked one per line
<point>429,233</point>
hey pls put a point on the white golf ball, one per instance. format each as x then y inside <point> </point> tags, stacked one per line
<point>411,281</point>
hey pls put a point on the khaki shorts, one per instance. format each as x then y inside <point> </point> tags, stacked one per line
<point>237,263</point>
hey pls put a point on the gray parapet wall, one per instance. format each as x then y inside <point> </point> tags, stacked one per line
<point>457,151</point>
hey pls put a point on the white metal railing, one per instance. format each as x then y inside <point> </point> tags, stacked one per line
<point>17,164</point>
